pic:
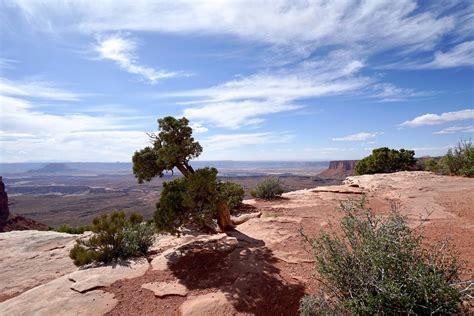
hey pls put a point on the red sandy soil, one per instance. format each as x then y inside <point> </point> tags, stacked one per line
<point>270,269</point>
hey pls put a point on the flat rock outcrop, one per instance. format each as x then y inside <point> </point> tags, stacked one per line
<point>31,258</point>
<point>207,304</point>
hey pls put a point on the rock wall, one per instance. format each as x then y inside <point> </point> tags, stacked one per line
<point>4,211</point>
<point>340,168</point>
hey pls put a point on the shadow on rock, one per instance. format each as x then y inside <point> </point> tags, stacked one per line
<point>245,271</point>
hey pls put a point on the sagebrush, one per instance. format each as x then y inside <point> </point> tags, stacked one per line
<point>459,160</point>
<point>379,267</point>
<point>268,188</point>
<point>114,238</point>
<point>68,229</point>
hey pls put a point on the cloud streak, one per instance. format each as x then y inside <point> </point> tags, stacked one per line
<point>28,133</point>
<point>456,129</point>
<point>36,89</point>
<point>436,119</point>
<point>122,51</point>
<point>356,137</point>
<point>230,141</point>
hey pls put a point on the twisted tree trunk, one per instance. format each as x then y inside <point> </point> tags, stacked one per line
<point>224,220</point>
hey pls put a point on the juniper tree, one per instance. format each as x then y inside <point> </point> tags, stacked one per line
<point>196,197</point>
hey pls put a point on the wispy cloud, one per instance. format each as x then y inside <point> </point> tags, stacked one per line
<point>387,92</point>
<point>122,50</point>
<point>456,129</point>
<point>460,55</point>
<point>229,141</point>
<point>36,89</point>
<point>26,131</point>
<point>6,63</point>
<point>356,137</point>
<point>236,114</point>
<point>245,101</point>
<point>379,25</point>
<point>435,119</point>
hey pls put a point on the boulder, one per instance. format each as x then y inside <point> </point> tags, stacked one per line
<point>208,304</point>
<point>162,289</point>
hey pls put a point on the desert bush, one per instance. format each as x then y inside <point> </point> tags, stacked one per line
<point>231,192</point>
<point>379,266</point>
<point>68,229</point>
<point>114,238</point>
<point>428,164</point>
<point>268,188</point>
<point>385,160</point>
<point>459,160</point>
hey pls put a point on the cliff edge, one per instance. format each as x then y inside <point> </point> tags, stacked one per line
<point>340,168</point>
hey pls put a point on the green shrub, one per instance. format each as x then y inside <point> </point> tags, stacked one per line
<point>114,238</point>
<point>428,164</point>
<point>231,192</point>
<point>385,160</point>
<point>66,228</point>
<point>377,267</point>
<point>459,161</point>
<point>268,188</point>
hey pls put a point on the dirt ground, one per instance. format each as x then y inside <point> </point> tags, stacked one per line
<point>269,268</point>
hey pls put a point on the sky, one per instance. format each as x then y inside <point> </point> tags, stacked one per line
<point>258,80</point>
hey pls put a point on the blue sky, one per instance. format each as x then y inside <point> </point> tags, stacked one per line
<point>260,80</point>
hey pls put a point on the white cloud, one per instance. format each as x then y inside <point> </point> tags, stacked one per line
<point>36,89</point>
<point>458,56</point>
<point>387,92</point>
<point>198,128</point>
<point>244,101</point>
<point>27,133</point>
<point>6,63</point>
<point>456,129</point>
<point>435,119</point>
<point>374,24</point>
<point>122,50</point>
<point>229,141</point>
<point>236,114</point>
<point>356,137</point>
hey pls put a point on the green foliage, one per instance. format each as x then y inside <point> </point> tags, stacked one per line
<point>66,228</point>
<point>232,193</point>
<point>114,238</point>
<point>428,164</point>
<point>268,188</point>
<point>459,160</point>
<point>187,200</point>
<point>173,147</point>
<point>378,266</point>
<point>385,160</point>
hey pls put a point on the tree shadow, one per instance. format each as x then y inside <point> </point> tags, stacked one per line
<point>246,273</point>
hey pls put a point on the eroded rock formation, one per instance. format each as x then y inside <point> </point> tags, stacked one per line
<point>9,221</point>
<point>340,168</point>
<point>4,211</point>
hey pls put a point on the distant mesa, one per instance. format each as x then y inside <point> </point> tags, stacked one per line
<point>53,168</point>
<point>340,169</point>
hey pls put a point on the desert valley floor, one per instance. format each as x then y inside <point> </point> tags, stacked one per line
<point>261,268</point>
